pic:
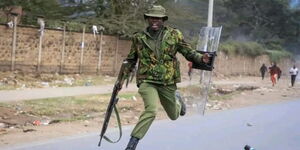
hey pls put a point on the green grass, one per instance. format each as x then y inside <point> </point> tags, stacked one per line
<point>223,96</point>
<point>12,80</point>
<point>7,87</point>
<point>86,81</point>
<point>212,93</point>
<point>5,105</point>
<point>127,95</point>
<point>67,108</point>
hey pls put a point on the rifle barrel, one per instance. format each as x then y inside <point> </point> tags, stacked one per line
<point>108,113</point>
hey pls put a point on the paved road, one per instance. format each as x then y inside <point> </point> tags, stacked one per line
<point>39,93</point>
<point>265,127</point>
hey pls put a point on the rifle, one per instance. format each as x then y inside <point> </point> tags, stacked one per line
<point>112,106</point>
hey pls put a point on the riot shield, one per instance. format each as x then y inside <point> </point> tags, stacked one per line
<point>196,94</point>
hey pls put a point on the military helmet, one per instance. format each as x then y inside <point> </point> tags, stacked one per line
<point>156,11</point>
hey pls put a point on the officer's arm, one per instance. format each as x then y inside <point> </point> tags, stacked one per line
<point>186,50</point>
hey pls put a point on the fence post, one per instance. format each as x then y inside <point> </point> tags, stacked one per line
<point>13,53</point>
<point>82,49</point>
<point>62,60</point>
<point>116,56</point>
<point>41,30</point>
<point>100,53</point>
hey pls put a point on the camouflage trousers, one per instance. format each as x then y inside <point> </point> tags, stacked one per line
<point>152,94</point>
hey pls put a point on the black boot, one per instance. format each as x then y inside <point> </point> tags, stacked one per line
<point>132,143</point>
<point>183,107</point>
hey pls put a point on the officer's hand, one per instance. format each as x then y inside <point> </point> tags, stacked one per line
<point>205,58</point>
<point>118,85</point>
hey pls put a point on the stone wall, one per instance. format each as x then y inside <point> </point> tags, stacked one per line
<point>114,50</point>
<point>52,59</point>
<point>5,47</point>
<point>239,65</point>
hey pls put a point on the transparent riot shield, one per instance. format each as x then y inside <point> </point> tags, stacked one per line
<point>196,93</point>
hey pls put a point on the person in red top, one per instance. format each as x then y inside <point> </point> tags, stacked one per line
<point>274,73</point>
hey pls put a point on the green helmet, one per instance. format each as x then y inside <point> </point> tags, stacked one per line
<point>156,11</point>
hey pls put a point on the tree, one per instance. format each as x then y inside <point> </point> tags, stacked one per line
<point>50,9</point>
<point>265,20</point>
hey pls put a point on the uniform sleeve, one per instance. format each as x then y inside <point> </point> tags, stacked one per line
<point>131,59</point>
<point>186,50</point>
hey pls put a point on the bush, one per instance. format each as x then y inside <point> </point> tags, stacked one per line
<point>276,55</point>
<point>251,49</point>
<point>227,48</point>
<point>254,49</point>
<point>275,44</point>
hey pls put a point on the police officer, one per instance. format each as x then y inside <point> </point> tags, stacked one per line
<point>158,69</point>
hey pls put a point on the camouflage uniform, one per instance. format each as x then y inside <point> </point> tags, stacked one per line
<point>157,58</point>
<point>158,72</point>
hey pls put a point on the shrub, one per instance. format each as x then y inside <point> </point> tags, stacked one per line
<point>251,49</point>
<point>254,49</point>
<point>276,55</point>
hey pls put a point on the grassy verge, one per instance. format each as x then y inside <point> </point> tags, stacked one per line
<point>70,108</point>
<point>20,80</point>
<point>86,107</point>
<point>216,93</point>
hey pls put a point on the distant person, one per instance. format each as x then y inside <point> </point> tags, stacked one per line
<point>293,72</point>
<point>190,65</point>
<point>279,73</point>
<point>263,69</point>
<point>274,72</point>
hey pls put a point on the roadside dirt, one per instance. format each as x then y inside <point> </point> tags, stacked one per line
<point>18,128</point>
<point>18,80</point>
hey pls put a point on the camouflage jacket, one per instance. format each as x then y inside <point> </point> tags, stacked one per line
<point>159,65</point>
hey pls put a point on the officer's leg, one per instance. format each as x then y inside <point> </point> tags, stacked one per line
<point>169,102</point>
<point>150,97</point>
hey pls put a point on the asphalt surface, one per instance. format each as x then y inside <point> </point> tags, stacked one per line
<point>264,127</point>
<point>39,93</point>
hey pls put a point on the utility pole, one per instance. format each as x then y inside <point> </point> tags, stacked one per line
<point>208,42</point>
<point>210,13</point>
<point>209,24</point>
